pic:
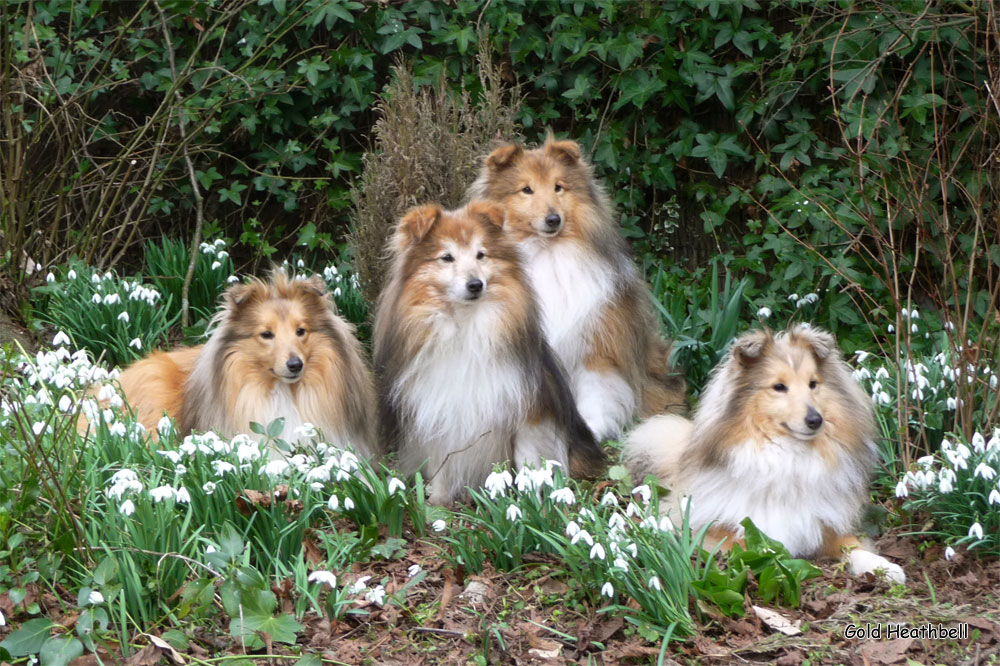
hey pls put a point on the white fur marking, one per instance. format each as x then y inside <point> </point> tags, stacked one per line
<point>861,561</point>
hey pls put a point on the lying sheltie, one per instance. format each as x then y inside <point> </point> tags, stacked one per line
<point>278,350</point>
<point>597,312</point>
<point>465,378</point>
<point>783,435</point>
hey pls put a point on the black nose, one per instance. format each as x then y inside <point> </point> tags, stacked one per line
<point>552,220</point>
<point>813,419</point>
<point>294,365</point>
<point>474,286</point>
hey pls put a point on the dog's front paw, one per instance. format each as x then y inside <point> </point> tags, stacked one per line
<point>862,561</point>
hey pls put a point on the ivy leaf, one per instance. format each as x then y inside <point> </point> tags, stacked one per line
<point>579,90</point>
<point>232,193</point>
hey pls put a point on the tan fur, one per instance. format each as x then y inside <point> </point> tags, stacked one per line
<point>782,434</point>
<point>555,179</point>
<point>229,382</point>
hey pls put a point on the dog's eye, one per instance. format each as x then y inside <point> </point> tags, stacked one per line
<point>813,384</point>
<point>447,257</point>
<point>267,335</point>
<point>481,254</point>
<point>527,190</point>
<point>300,332</point>
<point>559,188</point>
<point>780,388</point>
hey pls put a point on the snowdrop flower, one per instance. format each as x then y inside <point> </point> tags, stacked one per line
<point>901,489</point>
<point>649,523</point>
<point>439,525</point>
<point>349,504</point>
<point>71,275</point>
<point>497,483</point>
<point>644,492</point>
<point>563,496</point>
<point>37,427</point>
<point>764,312</point>
<point>632,549</point>
<point>161,493</point>
<point>359,586</point>
<point>276,467</point>
<point>135,342</point>
<point>881,373</point>
<point>582,535</point>
<point>322,577</point>
<point>182,495</point>
<point>333,503</point>
<point>994,497</point>
<point>609,499</point>
<point>976,531</point>
<point>95,598</point>
<point>587,514</point>
<point>127,508</point>
<point>413,570</point>
<point>572,529</point>
<point>616,522</point>
<point>793,297</point>
<point>620,562</point>
<point>666,525</point>
<point>222,467</point>
<point>513,513</point>
<point>597,552</point>
<point>978,442</point>
<point>890,328</point>
<point>96,299</point>
<point>949,553</point>
<point>66,403</point>
<point>951,404</point>
<point>208,487</point>
<point>985,471</point>
<point>60,339</point>
<point>395,484</point>
<point>123,316</point>
<point>305,431</point>
<point>216,265</point>
<point>376,595</point>
<point>632,510</point>
<point>654,583</point>
<point>117,429</point>
<point>608,590</point>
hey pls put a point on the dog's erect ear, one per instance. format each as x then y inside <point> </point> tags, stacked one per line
<point>241,294</point>
<point>418,221</point>
<point>490,213</point>
<point>750,347</point>
<point>566,151</point>
<point>504,156</point>
<point>315,284</point>
<point>823,344</point>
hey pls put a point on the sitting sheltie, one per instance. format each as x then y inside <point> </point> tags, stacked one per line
<point>597,312</point>
<point>782,435</point>
<point>278,350</point>
<point>465,378</point>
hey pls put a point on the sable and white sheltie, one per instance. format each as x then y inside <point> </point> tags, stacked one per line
<point>278,350</point>
<point>783,435</point>
<point>597,312</point>
<point>465,378</point>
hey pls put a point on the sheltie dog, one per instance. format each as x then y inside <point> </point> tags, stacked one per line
<point>278,350</point>
<point>464,376</point>
<point>597,312</point>
<point>783,435</point>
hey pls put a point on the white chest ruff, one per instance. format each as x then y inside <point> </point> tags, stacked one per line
<point>572,286</point>
<point>459,389</point>
<point>785,487</point>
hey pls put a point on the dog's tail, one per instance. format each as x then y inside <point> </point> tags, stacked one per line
<point>663,389</point>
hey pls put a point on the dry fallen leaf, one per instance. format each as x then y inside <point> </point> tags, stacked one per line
<point>777,622</point>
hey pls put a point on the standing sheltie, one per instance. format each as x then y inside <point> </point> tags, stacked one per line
<point>465,378</point>
<point>782,435</point>
<point>597,311</point>
<point>278,350</point>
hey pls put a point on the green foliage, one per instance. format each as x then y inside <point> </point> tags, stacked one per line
<point>167,264</point>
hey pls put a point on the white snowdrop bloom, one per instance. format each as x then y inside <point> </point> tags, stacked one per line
<point>359,586</point>
<point>649,523</point>
<point>306,431</point>
<point>96,299</point>
<point>587,514</point>
<point>161,493</point>
<point>318,474</point>
<point>563,496</point>
<point>514,513</point>
<point>632,510</point>
<point>127,508</point>
<point>811,298</point>
<point>764,312</point>
<point>993,381</point>
<point>208,487</point>
<point>644,492</point>
<point>994,497</point>
<point>349,504</point>
<point>890,328</point>
<point>985,471</point>
<point>222,467</point>
<point>914,329</point>
<point>95,278</point>
<point>863,374</point>
<point>862,355</point>
<point>37,427</point>
<point>413,570</point>
<point>608,590</point>
<point>117,429</point>
<point>632,549</point>
<point>395,484</point>
<point>901,489</point>
<point>572,529</point>
<point>439,525</point>
<point>50,278</point>
<point>926,461</point>
<point>232,279</point>
<point>793,297</point>
<point>963,451</point>
<point>917,393</point>
<point>276,467</point>
<point>95,598</point>
<point>609,499</point>
<point>978,442</point>
<point>249,451</point>
<point>976,531</point>
<point>881,373</point>
<point>582,535</point>
<point>654,583</point>
<point>164,426</point>
<point>945,482</point>
<point>209,548</point>
<point>950,404</point>
<point>66,403</point>
<point>112,299</point>
<point>597,552</point>
<point>497,483</point>
<point>71,275</point>
<point>616,521</point>
<point>949,553</point>
<point>666,525</point>
<point>135,342</point>
<point>216,265</point>
<point>60,339</point>
<point>993,445</point>
<point>620,562</point>
<point>182,495</point>
<point>323,578</point>
<point>123,316</point>
<point>333,503</point>
<point>904,312</point>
